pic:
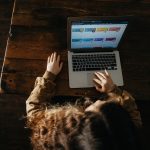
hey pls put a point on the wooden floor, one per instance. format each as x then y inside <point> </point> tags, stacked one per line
<point>5,15</point>
<point>13,134</point>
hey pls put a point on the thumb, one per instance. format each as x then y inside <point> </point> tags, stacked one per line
<point>98,89</point>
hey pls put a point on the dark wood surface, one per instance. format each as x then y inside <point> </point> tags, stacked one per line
<point>13,134</point>
<point>5,15</point>
<point>39,28</point>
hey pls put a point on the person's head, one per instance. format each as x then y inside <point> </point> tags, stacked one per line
<point>103,126</point>
<point>112,126</point>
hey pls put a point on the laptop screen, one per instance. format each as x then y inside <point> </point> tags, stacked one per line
<point>89,34</point>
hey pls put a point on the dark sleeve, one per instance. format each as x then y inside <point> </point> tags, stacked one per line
<point>126,100</point>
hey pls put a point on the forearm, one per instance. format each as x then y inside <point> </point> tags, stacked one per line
<point>44,89</point>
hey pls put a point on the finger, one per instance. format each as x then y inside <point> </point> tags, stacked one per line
<point>52,55</point>
<point>106,72</point>
<point>98,88</point>
<point>55,56</point>
<point>102,74</point>
<point>47,60</point>
<point>97,82</point>
<point>100,77</point>
<point>58,58</point>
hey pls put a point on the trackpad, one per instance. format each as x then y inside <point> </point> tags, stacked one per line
<point>90,77</point>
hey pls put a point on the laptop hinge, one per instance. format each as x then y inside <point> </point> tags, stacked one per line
<point>93,51</point>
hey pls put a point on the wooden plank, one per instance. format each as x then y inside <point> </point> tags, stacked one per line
<point>12,108</point>
<point>35,52</point>
<point>27,66</point>
<point>3,41</point>
<point>2,52</point>
<point>139,23</point>
<point>13,82</point>
<point>31,68</point>
<point>23,84</point>
<point>146,1</point>
<point>10,99</point>
<point>21,5</point>
<point>6,10</point>
<point>5,15</point>
<point>136,71</point>
<point>56,12</point>
<point>138,88</point>
<point>6,1</point>
<point>145,115</point>
<point>132,57</point>
<point>61,10</point>
<point>40,14</point>
<point>1,63</point>
<point>58,1</point>
<point>37,43</point>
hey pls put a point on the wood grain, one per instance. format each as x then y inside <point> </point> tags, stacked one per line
<point>13,134</point>
<point>58,11</point>
<point>5,15</point>
<point>23,84</point>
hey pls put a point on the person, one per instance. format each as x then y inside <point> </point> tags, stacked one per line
<point>109,124</point>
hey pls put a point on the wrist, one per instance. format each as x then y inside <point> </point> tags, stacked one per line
<point>112,88</point>
<point>115,90</point>
<point>49,75</point>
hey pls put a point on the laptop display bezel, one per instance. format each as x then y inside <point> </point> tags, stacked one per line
<point>94,18</point>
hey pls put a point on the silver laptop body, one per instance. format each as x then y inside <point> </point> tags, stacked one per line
<point>94,36</point>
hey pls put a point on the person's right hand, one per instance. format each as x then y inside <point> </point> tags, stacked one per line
<point>53,64</point>
<point>103,82</point>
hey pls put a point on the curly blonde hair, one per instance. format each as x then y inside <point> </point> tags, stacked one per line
<point>70,128</point>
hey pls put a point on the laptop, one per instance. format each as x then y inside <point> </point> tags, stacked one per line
<point>92,44</point>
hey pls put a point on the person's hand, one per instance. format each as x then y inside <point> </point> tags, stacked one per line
<point>53,63</point>
<point>103,82</point>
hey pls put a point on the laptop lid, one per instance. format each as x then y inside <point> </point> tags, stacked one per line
<point>92,34</point>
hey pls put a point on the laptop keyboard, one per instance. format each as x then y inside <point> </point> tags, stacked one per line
<point>93,62</point>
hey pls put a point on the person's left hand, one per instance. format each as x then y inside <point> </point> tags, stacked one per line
<point>53,63</point>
